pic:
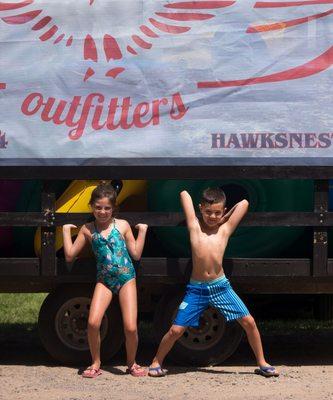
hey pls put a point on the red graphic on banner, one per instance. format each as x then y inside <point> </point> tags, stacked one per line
<point>287,24</point>
<point>275,4</point>
<point>22,18</point>
<point>171,22</point>
<point>97,112</point>
<point>319,64</point>
<point>111,49</point>
<point>315,66</point>
<point>14,6</point>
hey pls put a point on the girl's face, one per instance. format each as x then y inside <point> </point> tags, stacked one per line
<point>102,210</point>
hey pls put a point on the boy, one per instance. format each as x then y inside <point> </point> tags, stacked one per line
<point>208,284</point>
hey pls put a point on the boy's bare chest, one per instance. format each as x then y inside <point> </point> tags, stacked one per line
<point>208,242</point>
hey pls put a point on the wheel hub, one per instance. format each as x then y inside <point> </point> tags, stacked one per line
<point>209,332</point>
<point>71,323</point>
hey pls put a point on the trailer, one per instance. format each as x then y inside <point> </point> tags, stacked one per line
<point>199,90</point>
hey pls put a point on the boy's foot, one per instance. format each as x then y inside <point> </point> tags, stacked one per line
<point>267,371</point>
<point>91,372</point>
<point>136,370</point>
<point>156,372</point>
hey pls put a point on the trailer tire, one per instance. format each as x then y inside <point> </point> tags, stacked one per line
<point>323,307</point>
<point>212,343</point>
<point>62,325</point>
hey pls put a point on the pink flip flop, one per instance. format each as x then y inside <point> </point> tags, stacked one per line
<point>136,370</point>
<point>91,373</point>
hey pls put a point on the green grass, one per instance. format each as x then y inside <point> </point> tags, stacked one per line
<point>285,326</point>
<point>20,308</point>
<point>19,311</point>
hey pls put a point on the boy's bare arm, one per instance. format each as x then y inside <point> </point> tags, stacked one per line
<point>227,215</point>
<point>235,215</point>
<point>187,204</point>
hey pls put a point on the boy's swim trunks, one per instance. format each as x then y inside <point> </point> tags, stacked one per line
<point>217,294</point>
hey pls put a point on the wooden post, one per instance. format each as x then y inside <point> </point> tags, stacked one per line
<point>319,259</point>
<point>48,233</point>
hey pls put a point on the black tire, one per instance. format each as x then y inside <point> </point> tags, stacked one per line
<point>62,325</point>
<point>323,307</point>
<point>213,342</point>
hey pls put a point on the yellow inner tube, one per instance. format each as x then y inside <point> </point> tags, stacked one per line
<point>75,199</point>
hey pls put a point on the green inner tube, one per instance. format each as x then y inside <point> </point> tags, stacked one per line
<point>263,195</point>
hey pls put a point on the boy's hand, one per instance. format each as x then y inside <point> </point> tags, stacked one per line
<point>141,227</point>
<point>68,227</point>
<point>225,217</point>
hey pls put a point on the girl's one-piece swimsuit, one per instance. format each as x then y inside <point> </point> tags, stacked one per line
<point>114,265</point>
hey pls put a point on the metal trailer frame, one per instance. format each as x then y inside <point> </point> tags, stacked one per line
<point>160,281</point>
<point>249,275</point>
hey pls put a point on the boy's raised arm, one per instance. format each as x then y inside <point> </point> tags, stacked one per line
<point>187,204</point>
<point>235,215</point>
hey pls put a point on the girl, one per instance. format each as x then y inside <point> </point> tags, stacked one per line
<point>111,239</point>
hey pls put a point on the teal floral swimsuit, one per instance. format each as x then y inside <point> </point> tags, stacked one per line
<point>114,265</point>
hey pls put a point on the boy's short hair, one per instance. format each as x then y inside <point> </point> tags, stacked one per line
<point>213,196</point>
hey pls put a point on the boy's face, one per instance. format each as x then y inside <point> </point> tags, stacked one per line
<point>212,213</point>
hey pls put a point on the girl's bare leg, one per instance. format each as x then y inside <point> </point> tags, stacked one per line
<point>101,300</point>
<point>129,309</point>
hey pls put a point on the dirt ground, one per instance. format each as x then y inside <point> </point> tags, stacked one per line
<point>305,362</point>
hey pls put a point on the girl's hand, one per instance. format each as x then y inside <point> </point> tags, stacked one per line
<point>141,227</point>
<point>72,250</point>
<point>68,227</point>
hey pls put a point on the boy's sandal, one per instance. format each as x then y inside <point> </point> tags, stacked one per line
<point>91,372</point>
<point>136,370</point>
<point>156,372</point>
<point>266,371</point>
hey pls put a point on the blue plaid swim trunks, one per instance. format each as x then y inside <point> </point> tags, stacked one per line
<point>217,293</point>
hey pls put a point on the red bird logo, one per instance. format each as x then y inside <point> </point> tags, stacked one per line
<point>173,18</point>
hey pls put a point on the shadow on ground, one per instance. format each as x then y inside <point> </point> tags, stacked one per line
<point>20,345</point>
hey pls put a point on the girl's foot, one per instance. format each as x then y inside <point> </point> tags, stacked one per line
<point>91,372</point>
<point>136,370</point>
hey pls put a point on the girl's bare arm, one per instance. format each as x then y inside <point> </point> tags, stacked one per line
<point>71,249</point>
<point>135,247</point>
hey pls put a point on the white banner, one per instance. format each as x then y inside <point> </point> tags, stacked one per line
<point>165,82</point>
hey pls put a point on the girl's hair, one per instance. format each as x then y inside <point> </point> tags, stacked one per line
<point>104,189</point>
